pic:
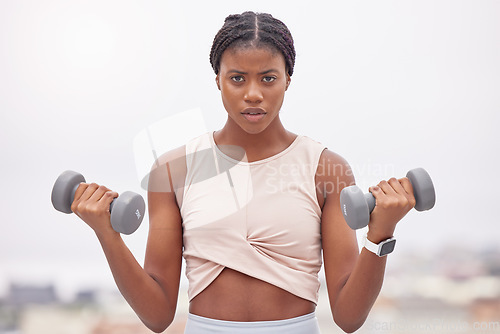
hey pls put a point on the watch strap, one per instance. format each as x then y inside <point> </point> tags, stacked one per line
<point>377,248</point>
<point>372,247</point>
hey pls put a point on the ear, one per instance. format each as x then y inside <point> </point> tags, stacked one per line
<point>217,81</point>
<point>288,79</point>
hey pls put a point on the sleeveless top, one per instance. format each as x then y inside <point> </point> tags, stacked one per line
<point>260,218</point>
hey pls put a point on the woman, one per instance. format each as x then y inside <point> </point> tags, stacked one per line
<point>252,231</point>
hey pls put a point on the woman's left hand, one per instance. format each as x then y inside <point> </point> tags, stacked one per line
<point>394,198</point>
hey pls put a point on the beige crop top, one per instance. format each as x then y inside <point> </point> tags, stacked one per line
<point>260,218</point>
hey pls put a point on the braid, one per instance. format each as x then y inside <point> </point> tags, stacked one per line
<point>253,29</point>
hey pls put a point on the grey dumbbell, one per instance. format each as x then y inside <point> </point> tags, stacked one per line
<point>356,206</point>
<point>127,210</point>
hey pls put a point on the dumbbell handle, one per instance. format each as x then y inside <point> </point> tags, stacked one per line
<point>370,200</point>
<point>73,192</point>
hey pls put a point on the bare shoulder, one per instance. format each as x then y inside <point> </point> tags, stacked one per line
<point>332,175</point>
<point>168,172</point>
<point>163,184</point>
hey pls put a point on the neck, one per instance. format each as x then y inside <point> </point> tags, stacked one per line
<point>257,146</point>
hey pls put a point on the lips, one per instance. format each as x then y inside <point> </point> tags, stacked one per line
<point>253,111</point>
<point>253,114</point>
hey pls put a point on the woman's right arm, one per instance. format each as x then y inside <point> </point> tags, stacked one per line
<point>151,291</point>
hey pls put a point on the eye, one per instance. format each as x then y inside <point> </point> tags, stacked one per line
<point>237,78</point>
<point>268,79</point>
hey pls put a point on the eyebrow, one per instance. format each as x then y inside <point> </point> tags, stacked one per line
<point>241,72</point>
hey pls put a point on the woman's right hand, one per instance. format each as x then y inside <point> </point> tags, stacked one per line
<point>91,204</point>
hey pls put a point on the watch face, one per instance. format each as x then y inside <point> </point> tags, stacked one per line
<point>388,247</point>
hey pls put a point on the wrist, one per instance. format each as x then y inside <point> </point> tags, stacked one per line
<point>377,237</point>
<point>107,236</point>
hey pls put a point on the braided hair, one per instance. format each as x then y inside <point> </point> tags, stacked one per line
<point>251,29</point>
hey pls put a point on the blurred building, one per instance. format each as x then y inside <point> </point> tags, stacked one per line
<point>454,291</point>
<point>21,295</point>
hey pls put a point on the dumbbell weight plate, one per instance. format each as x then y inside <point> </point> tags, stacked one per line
<point>423,189</point>
<point>63,192</point>
<point>127,212</point>
<point>354,207</point>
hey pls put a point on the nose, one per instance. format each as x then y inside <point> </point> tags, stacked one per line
<point>253,93</point>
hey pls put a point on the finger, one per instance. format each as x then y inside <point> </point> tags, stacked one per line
<point>107,198</point>
<point>98,193</point>
<point>376,191</point>
<point>396,185</point>
<point>85,191</point>
<point>89,191</point>
<point>79,191</point>
<point>407,186</point>
<point>403,198</point>
<point>386,188</point>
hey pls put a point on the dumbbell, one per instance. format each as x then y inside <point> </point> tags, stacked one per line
<point>127,210</point>
<point>356,206</point>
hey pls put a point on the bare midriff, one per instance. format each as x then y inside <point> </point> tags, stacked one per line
<point>234,296</point>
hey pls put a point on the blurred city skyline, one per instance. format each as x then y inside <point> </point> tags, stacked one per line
<point>455,291</point>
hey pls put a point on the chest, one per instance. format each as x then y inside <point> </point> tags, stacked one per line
<point>265,205</point>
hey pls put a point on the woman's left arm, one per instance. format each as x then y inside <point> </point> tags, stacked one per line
<point>354,279</point>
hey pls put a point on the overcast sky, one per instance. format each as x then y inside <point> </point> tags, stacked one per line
<point>389,85</point>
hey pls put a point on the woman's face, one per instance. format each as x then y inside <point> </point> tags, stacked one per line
<point>252,82</point>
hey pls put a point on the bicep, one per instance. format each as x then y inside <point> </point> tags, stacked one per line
<point>340,247</point>
<point>339,242</point>
<point>163,258</point>
<point>164,246</point>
